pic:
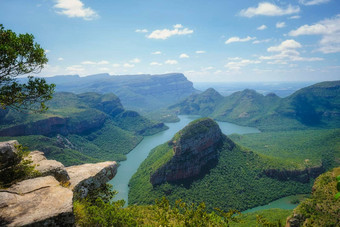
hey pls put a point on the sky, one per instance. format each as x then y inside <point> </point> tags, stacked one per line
<point>207,41</point>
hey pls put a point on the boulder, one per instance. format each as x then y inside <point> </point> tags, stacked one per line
<point>37,202</point>
<point>90,176</point>
<point>49,167</point>
<point>8,153</point>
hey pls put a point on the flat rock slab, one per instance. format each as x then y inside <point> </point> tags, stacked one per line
<point>49,167</point>
<point>90,176</point>
<point>37,202</point>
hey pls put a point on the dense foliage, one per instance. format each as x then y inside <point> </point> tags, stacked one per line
<point>237,175</point>
<point>19,55</point>
<point>296,149</point>
<point>19,170</point>
<point>322,209</point>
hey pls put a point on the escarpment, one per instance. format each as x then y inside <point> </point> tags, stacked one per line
<point>48,200</point>
<point>194,148</point>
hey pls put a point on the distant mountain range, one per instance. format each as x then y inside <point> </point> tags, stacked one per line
<point>314,106</point>
<point>143,93</point>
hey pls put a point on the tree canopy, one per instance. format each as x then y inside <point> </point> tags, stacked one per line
<point>20,55</point>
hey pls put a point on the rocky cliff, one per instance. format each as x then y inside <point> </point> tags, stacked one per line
<point>48,200</point>
<point>194,148</point>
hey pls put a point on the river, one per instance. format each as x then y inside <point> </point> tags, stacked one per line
<point>140,152</point>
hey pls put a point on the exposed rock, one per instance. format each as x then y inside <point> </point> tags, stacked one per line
<point>8,154</point>
<point>37,202</point>
<point>49,167</point>
<point>194,147</point>
<point>43,201</point>
<point>301,175</point>
<point>90,176</point>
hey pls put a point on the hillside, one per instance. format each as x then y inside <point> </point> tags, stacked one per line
<point>143,93</point>
<point>80,128</point>
<point>200,164</point>
<point>316,106</point>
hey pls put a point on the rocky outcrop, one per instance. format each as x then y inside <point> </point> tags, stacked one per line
<point>87,177</point>
<point>194,148</point>
<point>46,200</point>
<point>301,175</point>
<point>49,167</point>
<point>8,154</point>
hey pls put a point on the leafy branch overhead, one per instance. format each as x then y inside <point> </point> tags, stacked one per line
<point>20,55</point>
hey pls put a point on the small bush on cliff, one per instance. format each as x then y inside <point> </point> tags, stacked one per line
<point>20,170</point>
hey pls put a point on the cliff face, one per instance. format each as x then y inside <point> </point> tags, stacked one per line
<point>194,148</point>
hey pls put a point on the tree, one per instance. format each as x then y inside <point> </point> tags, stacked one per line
<point>20,55</point>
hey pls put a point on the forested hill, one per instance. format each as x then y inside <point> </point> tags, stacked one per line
<point>137,92</point>
<point>314,106</point>
<point>87,127</point>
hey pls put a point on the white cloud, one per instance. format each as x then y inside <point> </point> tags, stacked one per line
<point>285,45</point>
<point>135,60</point>
<point>261,41</point>
<point>295,17</point>
<point>200,52</point>
<point>103,63</point>
<point>104,69</point>
<point>287,52</point>
<point>166,33</point>
<point>262,27</point>
<point>312,2</point>
<point>234,58</point>
<point>171,62</point>
<point>155,64</point>
<point>269,9</point>
<point>60,59</point>
<point>116,65</point>
<point>156,52</point>
<point>183,56</point>
<point>329,29</point>
<point>237,65</point>
<point>280,24</point>
<point>141,30</point>
<point>207,68</point>
<point>238,39</point>
<point>75,8</point>
<point>47,51</point>
<point>127,65</point>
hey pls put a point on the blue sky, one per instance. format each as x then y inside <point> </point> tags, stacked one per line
<point>219,40</point>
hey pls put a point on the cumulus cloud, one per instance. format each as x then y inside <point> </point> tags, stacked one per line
<point>262,27</point>
<point>269,9</point>
<point>116,65</point>
<point>166,33</point>
<point>155,63</point>
<point>280,24</point>
<point>261,41</point>
<point>171,62</point>
<point>75,8</point>
<point>141,30</point>
<point>156,52</point>
<point>75,69</point>
<point>237,65</point>
<point>287,51</point>
<point>295,17</point>
<point>183,56</point>
<point>238,39</point>
<point>60,59</point>
<point>200,51</point>
<point>313,2</point>
<point>329,29</point>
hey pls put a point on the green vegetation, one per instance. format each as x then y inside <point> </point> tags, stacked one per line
<point>315,106</point>
<point>20,55</point>
<point>80,128</point>
<point>296,149</point>
<point>237,175</point>
<point>20,169</point>
<point>322,209</point>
